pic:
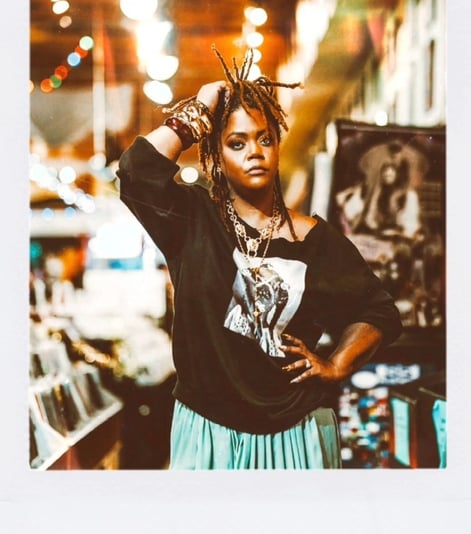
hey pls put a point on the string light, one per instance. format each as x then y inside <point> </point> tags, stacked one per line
<point>254,39</point>
<point>46,86</point>
<point>60,7</point>
<point>256,15</point>
<point>257,55</point>
<point>73,60</point>
<point>65,21</point>
<point>251,36</point>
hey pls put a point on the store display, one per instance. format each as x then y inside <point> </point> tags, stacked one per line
<point>95,355</point>
<point>419,422</point>
<point>374,420</point>
<point>67,399</point>
<point>364,428</point>
<point>439,417</point>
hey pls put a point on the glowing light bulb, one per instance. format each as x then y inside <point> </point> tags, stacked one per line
<point>65,21</point>
<point>158,92</point>
<point>73,59</point>
<point>381,118</point>
<point>55,81</point>
<point>254,72</point>
<point>46,86</point>
<point>67,174</point>
<point>257,55</point>
<point>189,175</point>
<point>162,67</point>
<point>86,42</point>
<point>98,161</point>
<point>61,72</point>
<point>138,9</point>
<point>256,15</point>
<point>254,39</point>
<point>60,7</point>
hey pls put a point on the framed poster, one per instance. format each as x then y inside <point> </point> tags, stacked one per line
<point>388,197</point>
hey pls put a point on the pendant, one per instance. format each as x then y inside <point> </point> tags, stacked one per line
<point>252,246</point>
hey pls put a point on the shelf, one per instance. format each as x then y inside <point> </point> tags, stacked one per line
<point>96,446</point>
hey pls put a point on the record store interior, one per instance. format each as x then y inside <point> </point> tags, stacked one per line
<point>101,372</point>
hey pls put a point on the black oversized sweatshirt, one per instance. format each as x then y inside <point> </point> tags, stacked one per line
<point>228,365</point>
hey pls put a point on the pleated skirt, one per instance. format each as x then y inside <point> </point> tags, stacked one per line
<point>197,443</point>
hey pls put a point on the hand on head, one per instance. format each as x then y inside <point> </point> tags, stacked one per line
<point>210,93</point>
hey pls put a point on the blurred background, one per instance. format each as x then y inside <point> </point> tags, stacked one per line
<point>374,97</point>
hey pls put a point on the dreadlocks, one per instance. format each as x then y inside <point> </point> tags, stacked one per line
<point>258,94</point>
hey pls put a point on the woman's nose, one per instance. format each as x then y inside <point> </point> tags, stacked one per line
<point>255,150</point>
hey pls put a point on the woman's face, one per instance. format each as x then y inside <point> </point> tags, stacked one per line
<point>389,174</point>
<point>249,150</point>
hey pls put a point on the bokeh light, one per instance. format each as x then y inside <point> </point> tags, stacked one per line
<point>98,161</point>
<point>60,7</point>
<point>73,59</point>
<point>254,72</point>
<point>80,51</point>
<point>189,175</point>
<point>65,21</point>
<point>158,92</point>
<point>256,15</point>
<point>46,85</point>
<point>67,174</point>
<point>162,67</point>
<point>55,81</point>
<point>86,42</point>
<point>254,39</point>
<point>257,55</point>
<point>138,9</point>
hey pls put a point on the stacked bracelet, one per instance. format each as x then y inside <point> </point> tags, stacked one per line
<point>182,130</point>
<point>191,121</point>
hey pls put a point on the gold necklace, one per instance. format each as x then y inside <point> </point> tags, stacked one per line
<point>252,244</point>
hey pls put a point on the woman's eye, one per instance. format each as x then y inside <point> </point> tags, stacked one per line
<point>236,145</point>
<point>266,141</point>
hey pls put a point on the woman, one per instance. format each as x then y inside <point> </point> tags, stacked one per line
<point>255,286</point>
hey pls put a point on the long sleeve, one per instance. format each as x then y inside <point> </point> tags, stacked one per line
<point>350,292</point>
<point>148,188</point>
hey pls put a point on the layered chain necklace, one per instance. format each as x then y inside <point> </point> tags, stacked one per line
<point>250,250</point>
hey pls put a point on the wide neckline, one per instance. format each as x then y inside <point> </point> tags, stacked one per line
<point>253,232</point>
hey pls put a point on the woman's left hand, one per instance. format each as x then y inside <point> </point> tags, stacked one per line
<point>309,364</point>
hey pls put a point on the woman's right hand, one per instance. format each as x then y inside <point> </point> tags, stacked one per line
<point>210,93</point>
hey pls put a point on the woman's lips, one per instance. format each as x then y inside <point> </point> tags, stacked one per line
<point>256,171</point>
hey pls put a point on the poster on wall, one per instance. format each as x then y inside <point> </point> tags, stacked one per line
<point>388,197</point>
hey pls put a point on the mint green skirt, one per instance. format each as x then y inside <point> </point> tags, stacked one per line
<point>197,443</point>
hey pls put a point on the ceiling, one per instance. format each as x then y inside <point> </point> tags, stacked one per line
<point>198,24</point>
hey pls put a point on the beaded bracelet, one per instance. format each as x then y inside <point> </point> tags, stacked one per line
<point>182,130</point>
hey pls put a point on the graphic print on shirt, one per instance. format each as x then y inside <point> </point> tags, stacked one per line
<point>265,299</point>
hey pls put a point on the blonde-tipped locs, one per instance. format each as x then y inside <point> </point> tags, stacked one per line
<point>256,94</point>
